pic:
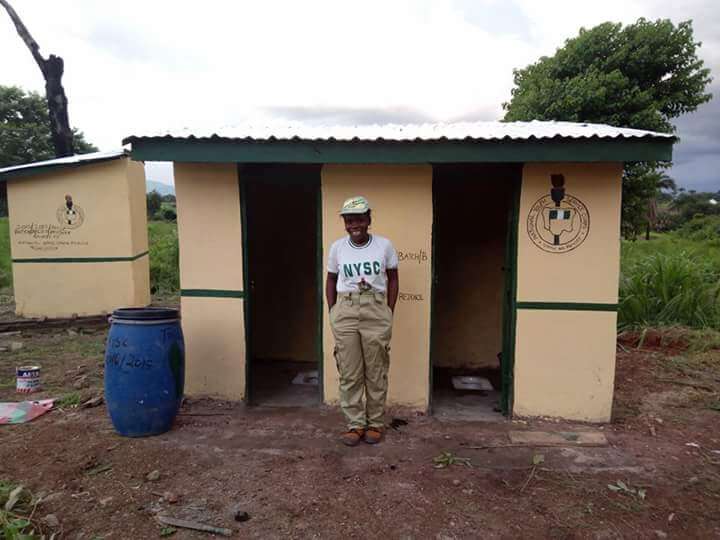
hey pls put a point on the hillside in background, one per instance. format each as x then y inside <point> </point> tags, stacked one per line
<point>162,189</point>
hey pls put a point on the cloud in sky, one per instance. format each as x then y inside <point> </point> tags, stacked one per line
<point>167,64</point>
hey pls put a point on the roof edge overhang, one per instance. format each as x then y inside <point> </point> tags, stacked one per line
<point>42,167</point>
<point>556,149</point>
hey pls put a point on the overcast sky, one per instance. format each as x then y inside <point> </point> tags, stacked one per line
<point>139,66</point>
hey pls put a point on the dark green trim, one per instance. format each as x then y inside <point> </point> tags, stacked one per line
<point>510,304</point>
<point>320,289</point>
<point>211,293</point>
<point>81,259</point>
<point>433,281</point>
<point>568,306</point>
<point>442,151</point>
<point>246,284</point>
<point>42,169</point>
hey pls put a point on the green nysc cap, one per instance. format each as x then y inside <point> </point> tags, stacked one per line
<point>355,205</point>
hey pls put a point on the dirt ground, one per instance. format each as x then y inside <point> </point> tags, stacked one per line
<point>286,469</point>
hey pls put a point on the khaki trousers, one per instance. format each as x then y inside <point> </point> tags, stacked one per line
<point>362,326</point>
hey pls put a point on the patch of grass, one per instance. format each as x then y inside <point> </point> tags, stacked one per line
<point>164,257</point>
<point>5,262</point>
<point>702,229</point>
<point>669,281</point>
<point>84,347</point>
<point>446,459</point>
<point>14,525</point>
<point>69,400</point>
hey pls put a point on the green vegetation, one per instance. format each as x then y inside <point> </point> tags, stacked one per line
<point>16,503</point>
<point>68,400</point>
<point>164,257</point>
<point>674,279</point>
<point>702,229</point>
<point>5,263</point>
<point>161,207</point>
<point>641,75</point>
<point>25,129</point>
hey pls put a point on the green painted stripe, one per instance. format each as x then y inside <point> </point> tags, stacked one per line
<point>211,293</point>
<point>54,260</point>
<point>568,306</point>
<point>247,303</point>
<point>405,152</point>
<point>507,397</point>
<point>320,301</point>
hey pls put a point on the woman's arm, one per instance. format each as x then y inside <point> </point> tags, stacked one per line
<point>393,287</point>
<point>331,289</point>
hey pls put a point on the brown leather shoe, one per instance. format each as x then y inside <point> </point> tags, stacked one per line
<point>373,435</point>
<point>352,436</point>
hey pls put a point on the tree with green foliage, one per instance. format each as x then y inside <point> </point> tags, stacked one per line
<point>641,75</point>
<point>690,204</point>
<point>25,133</point>
<point>154,202</point>
<point>25,129</point>
<point>663,185</point>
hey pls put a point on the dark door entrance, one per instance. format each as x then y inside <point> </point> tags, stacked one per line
<point>470,365</point>
<point>280,208</point>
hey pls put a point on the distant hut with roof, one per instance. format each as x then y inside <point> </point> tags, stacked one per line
<point>78,235</point>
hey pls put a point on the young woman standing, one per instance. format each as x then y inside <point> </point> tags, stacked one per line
<point>362,288</point>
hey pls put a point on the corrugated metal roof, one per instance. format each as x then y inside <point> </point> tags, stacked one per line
<point>480,131</point>
<point>78,159</point>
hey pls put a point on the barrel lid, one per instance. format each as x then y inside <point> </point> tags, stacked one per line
<point>146,314</point>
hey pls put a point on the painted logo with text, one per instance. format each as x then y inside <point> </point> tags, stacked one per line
<point>558,222</point>
<point>70,215</point>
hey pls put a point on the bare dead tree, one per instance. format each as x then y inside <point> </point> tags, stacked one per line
<point>52,69</point>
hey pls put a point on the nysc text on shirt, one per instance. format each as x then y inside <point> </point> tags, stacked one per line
<point>355,264</point>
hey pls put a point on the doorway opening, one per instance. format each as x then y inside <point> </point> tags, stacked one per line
<point>472,205</point>
<point>281,213</point>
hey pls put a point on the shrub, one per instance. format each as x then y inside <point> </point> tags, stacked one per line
<point>164,258</point>
<point>702,229</point>
<point>669,289</point>
<point>5,261</point>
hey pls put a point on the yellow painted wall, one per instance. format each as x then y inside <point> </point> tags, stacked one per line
<point>401,198</point>
<point>210,236</point>
<point>565,364</point>
<point>111,196</point>
<point>209,226</point>
<point>590,272</point>
<point>214,346</point>
<point>138,209</point>
<point>565,360</point>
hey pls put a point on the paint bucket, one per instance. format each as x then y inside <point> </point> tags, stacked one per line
<point>28,379</point>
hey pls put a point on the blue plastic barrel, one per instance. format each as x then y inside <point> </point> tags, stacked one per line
<point>144,370</point>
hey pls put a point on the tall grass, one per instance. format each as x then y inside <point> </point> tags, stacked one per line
<point>5,262</point>
<point>164,257</point>
<point>670,281</point>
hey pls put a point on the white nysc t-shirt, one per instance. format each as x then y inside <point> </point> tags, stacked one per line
<point>354,264</point>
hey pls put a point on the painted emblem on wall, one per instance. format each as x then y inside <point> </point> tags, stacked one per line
<point>558,222</point>
<point>70,215</point>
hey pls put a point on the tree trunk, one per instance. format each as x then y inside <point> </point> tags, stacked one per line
<point>52,70</point>
<point>62,135</point>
